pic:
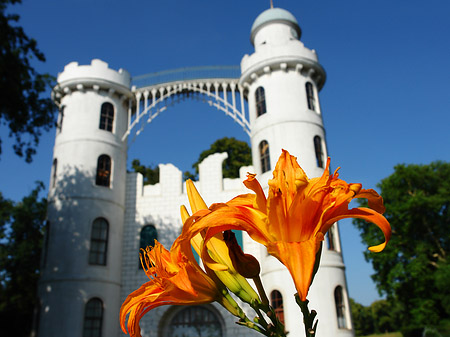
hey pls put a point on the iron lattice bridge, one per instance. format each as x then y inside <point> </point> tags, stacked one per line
<point>217,86</point>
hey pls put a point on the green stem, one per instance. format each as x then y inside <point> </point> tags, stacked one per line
<point>249,324</point>
<point>262,293</point>
<point>273,329</point>
<point>308,317</point>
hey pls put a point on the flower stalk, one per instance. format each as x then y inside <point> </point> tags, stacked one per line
<point>308,317</point>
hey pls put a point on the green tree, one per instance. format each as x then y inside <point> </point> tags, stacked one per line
<point>383,316</point>
<point>21,233</point>
<point>239,154</point>
<point>413,271</point>
<point>22,107</point>
<point>362,318</point>
<point>150,173</point>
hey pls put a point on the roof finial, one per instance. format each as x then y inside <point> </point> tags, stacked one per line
<point>271,3</point>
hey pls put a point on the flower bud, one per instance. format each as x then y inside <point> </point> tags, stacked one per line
<point>245,264</point>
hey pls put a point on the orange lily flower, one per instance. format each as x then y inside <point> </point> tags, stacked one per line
<point>294,218</point>
<point>215,254</point>
<point>175,278</point>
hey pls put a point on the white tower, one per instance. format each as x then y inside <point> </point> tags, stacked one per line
<point>81,276</point>
<point>283,78</point>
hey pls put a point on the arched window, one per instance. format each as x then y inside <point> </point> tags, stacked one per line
<point>331,239</point>
<point>99,242</point>
<point>103,171</point>
<point>276,301</point>
<point>260,99</point>
<point>59,124</point>
<point>340,307</point>
<point>107,117</point>
<point>148,236</point>
<point>310,96</point>
<point>54,167</point>
<point>264,156</point>
<point>93,318</point>
<point>319,151</point>
<point>195,321</point>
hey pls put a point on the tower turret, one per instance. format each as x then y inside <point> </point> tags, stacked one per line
<point>83,250</point>
<point>283,79</point>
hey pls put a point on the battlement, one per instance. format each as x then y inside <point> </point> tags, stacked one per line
<point>97,72</point>
<point>211,182</point>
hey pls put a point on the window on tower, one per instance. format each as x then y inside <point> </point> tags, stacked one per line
<point>59,124</point>
<point>265,156</point>
<point>260,99</point>
<point>107,117</point>
<point>310,96</point>
<point>331,238</point>
<point>54,168</point>
<point>318,150</point>
<point>93,318</point>
<point>99,242</point>
<point>194,321</point>
<point>276,301</point>
<point>340,307</point>
<point>103,171</point>
<point>148,236</point>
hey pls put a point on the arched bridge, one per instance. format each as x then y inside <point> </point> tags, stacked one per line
<point>217,86</point>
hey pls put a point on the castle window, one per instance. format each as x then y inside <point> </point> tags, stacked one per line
<point>107,117</point>
<point>148,236</point>
<point>189,321</point>
<point>54,167</point>
<point>331,239</point>
<point>310,96</point>
<point>59,124</point>
<point>93,318</point>
<point>260,99</point>
<point>276,301</point>
<point>103,171</point>
<point>340,307</point>
<point>99,242</point>
<point>265,156</point>
<point>319,151</point>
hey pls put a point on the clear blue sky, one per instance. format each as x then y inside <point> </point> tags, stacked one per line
<point>386,100</point>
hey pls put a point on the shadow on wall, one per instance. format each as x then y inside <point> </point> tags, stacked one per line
<point>74,202</point>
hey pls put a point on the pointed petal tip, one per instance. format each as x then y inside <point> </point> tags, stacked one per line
<point>378,248</point>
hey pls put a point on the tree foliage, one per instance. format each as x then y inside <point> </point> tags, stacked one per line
<point>362,319</point>
<point>414,269</point>
<point>150,173</point>
<point>380,317</point>
<point>239,154</point>
<point>21,232</point>
<point>22,107</point>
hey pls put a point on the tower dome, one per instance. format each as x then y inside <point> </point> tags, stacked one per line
<point>273,15</point>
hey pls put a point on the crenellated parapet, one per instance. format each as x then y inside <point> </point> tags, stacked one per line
<point>97,77</point>
<point>211,183</point>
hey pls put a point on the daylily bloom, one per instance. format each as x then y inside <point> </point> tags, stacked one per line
<point>294,218</point>
<point>175,278</point>
<point>215,253</point>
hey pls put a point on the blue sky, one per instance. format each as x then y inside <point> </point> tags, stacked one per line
<point>386,99</point>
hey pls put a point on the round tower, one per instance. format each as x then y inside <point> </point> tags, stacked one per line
<point>80,284</point>
<point>283,79</point>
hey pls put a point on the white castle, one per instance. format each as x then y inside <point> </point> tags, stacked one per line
<point>99,215</point>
